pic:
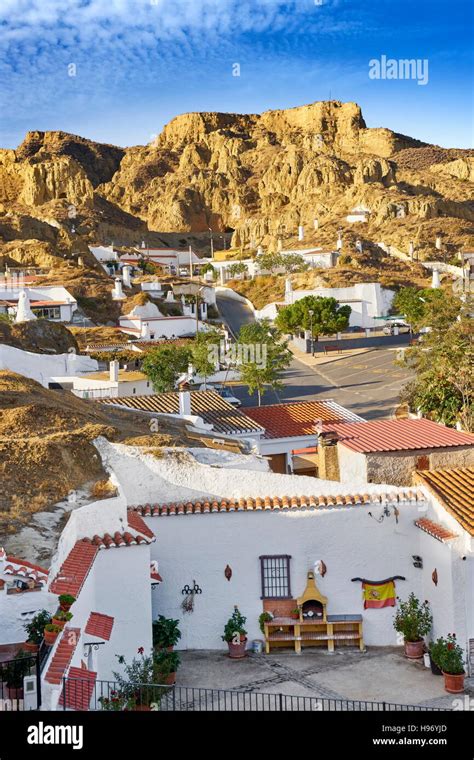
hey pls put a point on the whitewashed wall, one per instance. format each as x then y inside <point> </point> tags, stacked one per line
<point>44,367</point>
<point>17,609</point>
<point>198,547</point>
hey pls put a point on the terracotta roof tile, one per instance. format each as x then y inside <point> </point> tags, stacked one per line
<point>435,529</point>
<point>454,488</point>
<point>136,523</point>
<point>63,654</point>
<point>399,435</point>
<point>74,569</point>
<point>78,689</point>
<point>208,405</point>
<point>299,418</point>
<point>276,503</point>
<point>100,625</point>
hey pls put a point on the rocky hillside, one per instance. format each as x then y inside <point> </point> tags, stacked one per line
<point>257,176</point>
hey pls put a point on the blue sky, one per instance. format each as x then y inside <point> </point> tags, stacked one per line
<point>138,63</point>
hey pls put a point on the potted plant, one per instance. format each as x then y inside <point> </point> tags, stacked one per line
<point>295,614</point>
<point>263,618</point>
<point>35,630</point>
<point>166,633</point>
<point>51,633</point>
<point>61,617</point>
<point>434,652</point>
<point>451,662</point>
<point>14,673</point>
<point>165,665</point>
<point>66,601</point>
<point>135,682</point>
<point>414,620</point>
<point>235,634</point>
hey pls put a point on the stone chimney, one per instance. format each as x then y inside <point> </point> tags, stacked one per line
<point>300,232</point>
<point>184,403</point>
<point>328,456</point>
<point>114,371</point>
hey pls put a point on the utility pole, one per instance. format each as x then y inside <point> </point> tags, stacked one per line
<point>311,312</point>
<point>190,262</point>
<point>212,243</point>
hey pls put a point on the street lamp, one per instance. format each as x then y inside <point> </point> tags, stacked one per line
<point>311,312</point>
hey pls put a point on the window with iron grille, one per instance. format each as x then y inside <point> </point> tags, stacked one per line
<point>275,571</point>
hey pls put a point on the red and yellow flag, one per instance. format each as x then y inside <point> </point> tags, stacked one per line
<point>379,594</point>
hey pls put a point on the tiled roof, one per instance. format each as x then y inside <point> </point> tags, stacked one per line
<point>455,489</point>
<point>399,435</point>
<point>16,566</point>
<point>435,529</point>
<point>136,523</point>
<point>100,625</point>
<point>63,654</point>
<point>74,569</point>
<point>79,688</point>
<point>208,405</point>
<point>116,541</point>
<point>278,502</point>
<point>299,418</point>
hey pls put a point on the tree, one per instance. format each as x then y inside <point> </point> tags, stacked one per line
<point>208,268</point>
<point>294,262</point>
<point>270,262</point>
<point>164,364</point>
<point>427,307</point>
<point>204,353</point>
<point>238,268</point>
<point>327,316</point>
<point>443,388</point>
<point>262,357</point>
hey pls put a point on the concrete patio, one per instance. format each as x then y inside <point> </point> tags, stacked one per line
<point>380,674</point>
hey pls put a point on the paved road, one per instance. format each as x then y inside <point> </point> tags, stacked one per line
<point>368,384</point>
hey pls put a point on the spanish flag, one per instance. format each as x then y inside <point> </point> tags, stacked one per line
<point>379,594</point>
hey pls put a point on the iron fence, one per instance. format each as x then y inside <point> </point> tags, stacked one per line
<point>84,694</point>
<point>12,675</point>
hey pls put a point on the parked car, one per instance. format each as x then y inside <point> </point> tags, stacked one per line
<point>224,391</point>
<point>183,272</point>
<point>403,328</point>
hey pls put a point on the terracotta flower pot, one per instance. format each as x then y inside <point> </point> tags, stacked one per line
<point>28,646</point>
<point>237,651</point>
<point>58,622</point>
<point>141,708</point>
<point>454,684</point>
<point>50,637</point>
<point>414,649</point>
<point>170,680</point>
<point>65,606</point>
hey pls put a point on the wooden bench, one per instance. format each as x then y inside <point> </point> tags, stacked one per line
<point>328,349</point>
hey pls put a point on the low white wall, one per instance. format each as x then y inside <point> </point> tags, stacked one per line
<point>44,367</point>
<point>17,609</point>
<point>348,540</point>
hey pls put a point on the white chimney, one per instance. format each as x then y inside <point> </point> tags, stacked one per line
<point>301,232</point>
<point>280,244</point>
<point>117,293</point>
<point>259,251</point>
<point>339,242</point>
<point>288,291</point>
<point>114,371</point>
<point>411,249</point>
<point>359,246</point>
<point>80,261</point>
<point>438,242</point>
<point>126,272</point>
<point>184,403</point>
<point>435,281</point>
<point>315,224</point>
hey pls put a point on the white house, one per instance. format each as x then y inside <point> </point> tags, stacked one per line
<point>115,383</point>
<point>104,253</point>
<point>358,214</point>
<point>148,323</point>
<point>314,257</point>
<point>53,303</point>
<point>44,367</point>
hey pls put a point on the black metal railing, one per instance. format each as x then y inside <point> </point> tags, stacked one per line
<point>12,673</point>
<point>84,694</point>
